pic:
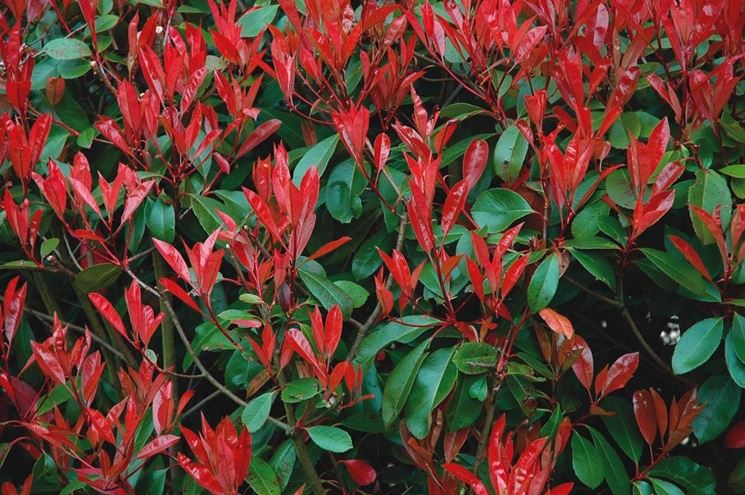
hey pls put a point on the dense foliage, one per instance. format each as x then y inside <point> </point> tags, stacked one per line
<point>421,247</point>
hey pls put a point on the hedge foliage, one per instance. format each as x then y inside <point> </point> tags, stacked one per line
<point>322,246</point>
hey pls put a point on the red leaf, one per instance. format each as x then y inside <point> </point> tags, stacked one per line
<point>157,445</point>
<point>174,259</point>
<point>644,413</point>
<point>180,293</point>
<point>690,254</point>
<point>48,362</point>
<point>583,367</point>
<point>735,437</point>
<point>453,206</point>
<point>334,323</point>
<point>563,489</point>
<point>466,477</point>
<point>381,150</point>
<point>330,247</point>
<point>361,472</point>
<point>107,310</point>
<point>474,162</point>
<point>258,136</point>
<point>620,372</point>
<point>557,322</point>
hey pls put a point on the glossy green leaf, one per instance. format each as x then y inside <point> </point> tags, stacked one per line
<point>614,472</point>
<point>400,381</point>
<point>434,381</point>
<point>509,153</point>
<point>586,462</point>
<point>317,156</point>
<point>300,390</point>
<point>475,358</point>
<point>257,411</point>
<point>253,22</point>
<point>66,49</point>
<point>697,345</point>
<point>262,478</point>
<point>718,394</point>
<point>497,209</point>
<point>330,438</point>
<point>97,277</point>
<point>544,283</point>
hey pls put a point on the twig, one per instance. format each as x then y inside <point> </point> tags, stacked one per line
<point>309,469</point>
<point>600,297</point>
<point>95,338</point>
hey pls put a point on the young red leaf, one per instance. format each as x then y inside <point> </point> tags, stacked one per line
<point>157,445</point>
<point>644,412</point>
<point>620,372</point>
<point>735,437</point>
<point>557,322</point>
<point>361,472</point>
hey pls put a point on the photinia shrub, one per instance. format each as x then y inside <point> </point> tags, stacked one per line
<point>488,246</point>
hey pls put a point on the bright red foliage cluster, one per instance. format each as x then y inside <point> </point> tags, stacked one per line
<point>205,292</point>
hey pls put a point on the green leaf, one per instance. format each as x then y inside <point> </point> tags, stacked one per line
<point>300,390</point>
<point>59,395</point>
<point>696,479</point>
<point>252,23</point>
<point>151,482</point>
<point>162,221</point>
<point>642,488</point>
<point>738,335</point>
<point>462,408</point>
<point>735,366</point>
<point>590,242</point>
<point>737,171</point>
<point>367,260</point>
<point>283,461</point>
<point>66,49</point>
<point>709,192</point>
<point>585,224</point>
<point>618,186</point>
<point>509,154</point>
<point>434,381</point>
<point>614,472</point>
<point>598,266</point>
<point>106,22</point>
<point>474,358</point>
<point>460,111</point>
<point>622,427</point>
<point>317,156</point>
<point>355,291</point>
<point>586,462</point>
<point>48,246</point>
<point>678,270</point>
<point>497,209</point>
<point>204,209</point>
<point>720,397</point>
<point>262,479</point>
<point>697,345</point>
<point>343,191</point>
<point>324,290</point>
<point>400,381</point>
<point>543,284</point>
<point>330,438</point>
<point>97,277</point>
<point>257,411</point>
<point>409,328</point>
<point>736,478</point>
<point>662,487</point>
